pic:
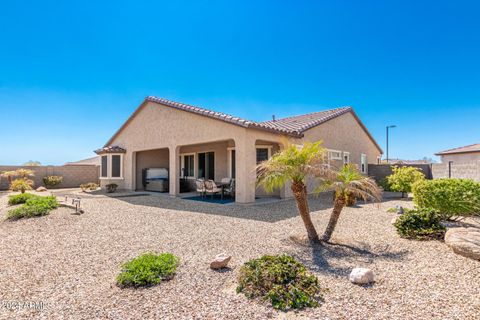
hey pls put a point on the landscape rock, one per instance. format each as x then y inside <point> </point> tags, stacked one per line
<point>361,276</point>
<point>220,261</point>
<point>464,241</point>
<point>41,189</point>
<point>394,219</point>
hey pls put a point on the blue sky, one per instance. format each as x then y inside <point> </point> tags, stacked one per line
<point>71,72</point>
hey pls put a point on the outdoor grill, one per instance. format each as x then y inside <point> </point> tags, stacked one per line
<point>155,179</point>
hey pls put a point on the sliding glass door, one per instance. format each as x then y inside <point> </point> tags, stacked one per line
<point>206,165</point>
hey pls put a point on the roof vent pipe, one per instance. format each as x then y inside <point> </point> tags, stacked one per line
<point>273,117</point>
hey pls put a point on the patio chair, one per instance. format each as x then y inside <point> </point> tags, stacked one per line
<point>200,184</point>
<point>212,189</point>
<point>226,180</point>
<point>230,190</point>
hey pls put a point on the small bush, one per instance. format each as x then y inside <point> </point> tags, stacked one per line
<point>111,187</point>
<point>402,178</point>
<point>148,269</point>
<point>384,184</point>
<point>21,185</point>
<point>33,207</point>
<point>89,186</point>
<point>420,224</point>
<point>280,279</point>
<point>52,181</point>
<point>450,197</point>
<point>20,198</point>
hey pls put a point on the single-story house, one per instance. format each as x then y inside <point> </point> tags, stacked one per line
<point>461,154</point>
<point>192,142</point>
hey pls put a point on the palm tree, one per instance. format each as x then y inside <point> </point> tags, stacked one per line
<point>294,163</point>
<point>346,183</point>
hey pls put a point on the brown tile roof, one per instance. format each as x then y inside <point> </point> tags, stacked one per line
<point>291,126</point>
<point>110,149</point>
<point>466,149</point>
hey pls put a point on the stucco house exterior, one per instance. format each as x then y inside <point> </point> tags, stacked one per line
<point>464,154</point>
<point>193,142</point>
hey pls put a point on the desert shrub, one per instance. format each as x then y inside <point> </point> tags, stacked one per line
<point>420,224</point>
<point>280,279</point>
<point>111,187</point>
<point>33,207</point>
<point>402,178</point>
<point>52,181</point>
<point>24,173</point>
<point>89,186</point>
<point>148,269</point>
<point>20,198</point>
<point>21,185</point>
<point>450,197</point>
<point>384,184</point>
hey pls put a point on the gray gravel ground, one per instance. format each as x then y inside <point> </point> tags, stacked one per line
<point>69,262</point>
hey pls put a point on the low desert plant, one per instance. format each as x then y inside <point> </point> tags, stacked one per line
<point>21,185</point>
<point>52,181</point>
<point>33,207</point>
<point>148,269</point>
<point>280,279</point>
<point>20,198</point>
<point>111,187</point>
<point>24,173</point>
<point>450,197</point>
<point>89,186</point>
<point>420,224</point>
<point>402,178</point>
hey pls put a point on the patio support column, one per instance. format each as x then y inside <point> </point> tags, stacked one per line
<point>245,161</point>
<point>173,170</point>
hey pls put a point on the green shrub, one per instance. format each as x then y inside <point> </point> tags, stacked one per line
<point>21,185</point>
<point>33,207</point>
<point>402,178</point>
<point>450,197</point>
<point>52,181</point>
<point>420,224</point>
<point>89,186</point>
<point>20,198</point>
<point>280,279</point>
<point>148,269</point>
<point>384,184</point>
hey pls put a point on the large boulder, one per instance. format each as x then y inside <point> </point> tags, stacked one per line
<point>220,261</point>
<point>361,276</point>
<point>464,241</point>
<point>41,189</point>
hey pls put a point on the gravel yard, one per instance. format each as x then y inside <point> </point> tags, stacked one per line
<point>69,262</point>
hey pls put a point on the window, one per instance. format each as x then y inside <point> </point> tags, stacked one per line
<point>104,166</point>
<point>232,164</point>
<point>262,154</point>
<point>346,157</point>
<point>116,165</point>
<point>187,165</point>
<point>334,155</point>
<point>111,166</point>
<point>363,163</point>
<point>206,165</point>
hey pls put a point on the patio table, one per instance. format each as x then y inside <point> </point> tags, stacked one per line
<point>222,185</point>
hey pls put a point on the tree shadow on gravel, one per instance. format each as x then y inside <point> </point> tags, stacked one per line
<point>340,258</point>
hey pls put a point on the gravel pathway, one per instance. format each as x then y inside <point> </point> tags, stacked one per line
<point>69,262</point>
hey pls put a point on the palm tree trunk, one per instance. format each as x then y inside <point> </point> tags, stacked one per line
<point>300,193</point>
<point>338,205</point>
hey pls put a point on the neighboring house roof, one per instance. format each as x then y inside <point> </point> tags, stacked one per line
<point>85,162</point>
<point>292,126</point>
<point>401,161</point>
<point>466,149</point>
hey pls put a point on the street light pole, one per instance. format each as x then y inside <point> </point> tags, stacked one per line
<point>388,127</point>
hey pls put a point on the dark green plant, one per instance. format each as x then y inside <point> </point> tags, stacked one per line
<point>20,198</point>
<point>384,184</point>
<point>450,197</point>
<point>33,207</point>
<point>282,280</point>
<point>52,181</point>
<point>420,224</point>
<point>148,269</point>
<point>111,187</point>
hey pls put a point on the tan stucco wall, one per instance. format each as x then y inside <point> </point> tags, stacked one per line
<point>461,157</point>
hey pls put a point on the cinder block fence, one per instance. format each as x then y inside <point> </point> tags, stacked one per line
<point>73,175</point>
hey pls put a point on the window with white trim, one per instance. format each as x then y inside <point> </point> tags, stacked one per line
<point>363,163</point>
<point>187,165</point>
<point>111,166</point>
<point>346,157</point>
<point>334,155</point>
<point>263,153</point>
